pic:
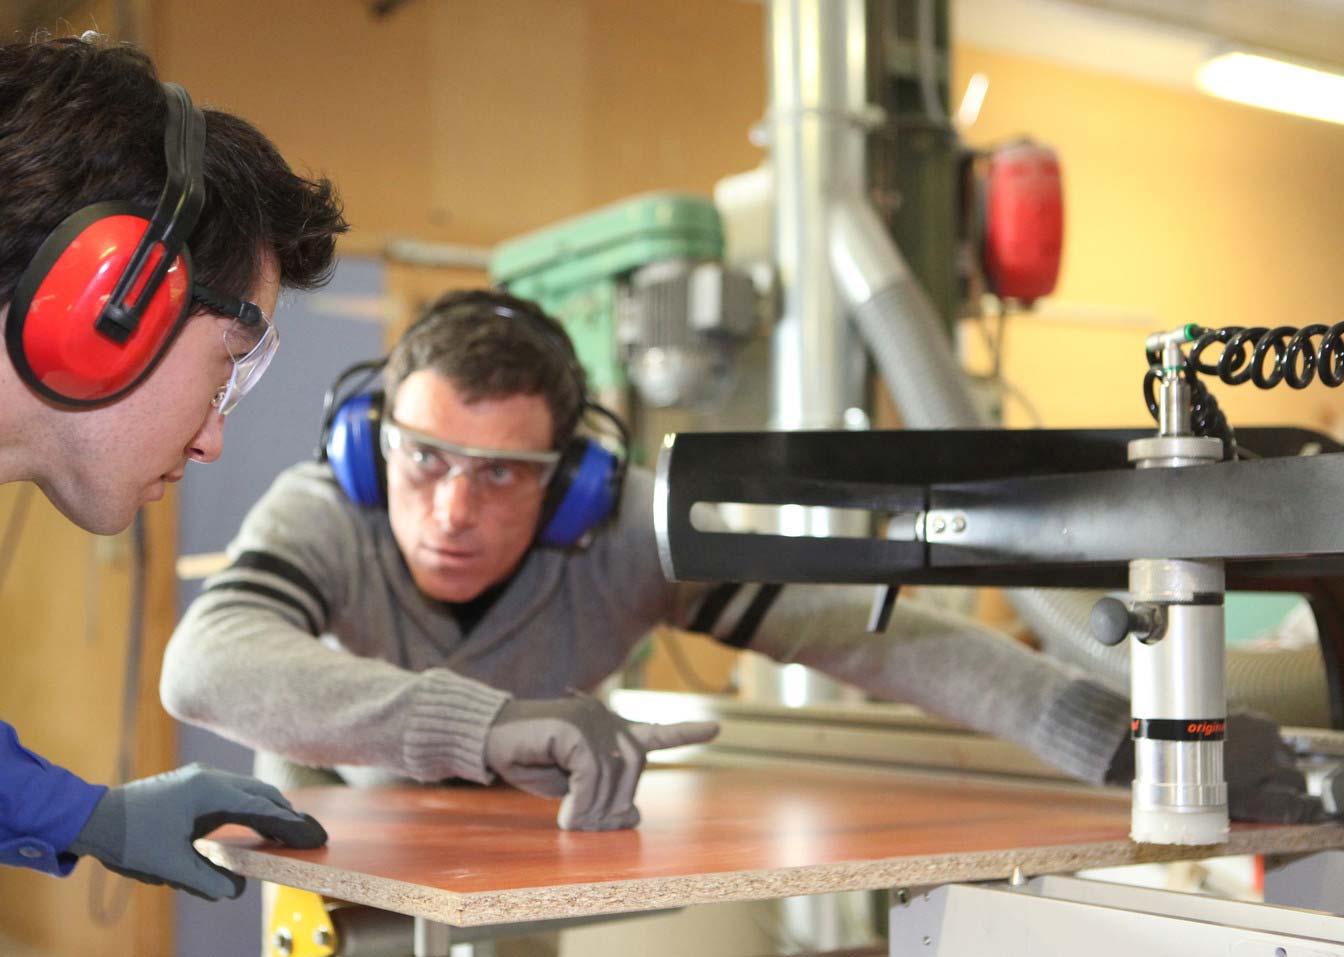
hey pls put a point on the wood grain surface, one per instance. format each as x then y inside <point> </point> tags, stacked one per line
<point>468,855</point>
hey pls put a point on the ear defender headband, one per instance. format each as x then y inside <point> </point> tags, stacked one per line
<point>583,491</point>
<point>109,289</point>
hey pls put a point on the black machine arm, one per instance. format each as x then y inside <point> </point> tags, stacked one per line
<point>1053,508</point>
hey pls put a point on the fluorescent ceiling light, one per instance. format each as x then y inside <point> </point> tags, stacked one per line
<point>1274,85</point>
<point>972,101</point>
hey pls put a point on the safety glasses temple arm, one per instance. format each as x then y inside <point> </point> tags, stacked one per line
<point>248,313</point>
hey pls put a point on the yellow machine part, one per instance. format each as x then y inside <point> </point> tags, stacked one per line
<point>301,926</point>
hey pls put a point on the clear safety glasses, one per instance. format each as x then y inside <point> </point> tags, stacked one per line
<point>499,476</point>
<point>251,340</point>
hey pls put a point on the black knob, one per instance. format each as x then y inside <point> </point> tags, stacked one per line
<point>1111,621</point>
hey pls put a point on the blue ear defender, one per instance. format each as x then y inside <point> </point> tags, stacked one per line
<point>583,492</point>
<point>351,419</point>
<point>353,450</point>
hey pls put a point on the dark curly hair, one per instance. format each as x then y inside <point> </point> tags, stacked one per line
<point>489,345</point>
<point>82,121</point>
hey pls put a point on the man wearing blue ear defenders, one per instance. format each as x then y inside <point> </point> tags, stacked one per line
<point>417,606</point>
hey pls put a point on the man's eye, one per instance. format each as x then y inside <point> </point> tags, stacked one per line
<point>501,473</point>
<point>428,464</point>
<point>219,397</point>
<point>419,457</point>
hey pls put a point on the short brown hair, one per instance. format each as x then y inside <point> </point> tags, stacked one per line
<point>82,121</point>
<point>490,345</point>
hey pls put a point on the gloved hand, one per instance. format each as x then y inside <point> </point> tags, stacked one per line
<point>1263,783</point>
<point>144,829</point>
<point>577,748</point>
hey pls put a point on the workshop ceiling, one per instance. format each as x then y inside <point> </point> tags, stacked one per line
<point>1161,41</point>
<point>1306,29</point>
<point>1156,40</point>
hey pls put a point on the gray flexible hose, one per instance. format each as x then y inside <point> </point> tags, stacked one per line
<point>904,334</point>
<point>926,383</point>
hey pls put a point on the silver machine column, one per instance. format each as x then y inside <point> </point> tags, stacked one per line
<point>1178,667</point>
<point>1179,703</point>
<point>815,129</point>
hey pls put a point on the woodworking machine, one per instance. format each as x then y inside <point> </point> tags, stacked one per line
<point>1056,508</point>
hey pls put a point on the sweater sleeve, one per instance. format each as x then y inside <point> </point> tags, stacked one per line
<point>627,585</point>
<point>950,666</point>
<point>246,662</point>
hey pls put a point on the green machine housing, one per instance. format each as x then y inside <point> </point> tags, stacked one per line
<point>575,268</point>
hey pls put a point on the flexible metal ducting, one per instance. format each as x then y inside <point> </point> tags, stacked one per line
<point>904,334</point>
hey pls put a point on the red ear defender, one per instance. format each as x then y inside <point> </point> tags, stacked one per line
<point>59,350</point>
<point>108,290</point>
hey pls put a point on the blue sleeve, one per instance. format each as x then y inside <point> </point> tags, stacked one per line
<point>42,808</point>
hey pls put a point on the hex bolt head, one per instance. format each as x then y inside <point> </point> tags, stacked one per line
<point>283,942</point>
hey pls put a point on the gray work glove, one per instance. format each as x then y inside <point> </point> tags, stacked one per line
<point>577,748</point>
<point>144,829</point>
<point>1263,782</point>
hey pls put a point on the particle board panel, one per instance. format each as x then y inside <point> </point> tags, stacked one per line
<point>466,855</point>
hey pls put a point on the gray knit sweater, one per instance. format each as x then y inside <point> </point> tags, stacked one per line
<point>316,645</point>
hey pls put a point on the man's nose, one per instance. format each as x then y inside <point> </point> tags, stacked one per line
<point>455,500</point>
<point>208,442</point>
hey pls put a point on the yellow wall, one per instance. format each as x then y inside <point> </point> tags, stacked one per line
<point>1180,208</point>
<point>472,121</point>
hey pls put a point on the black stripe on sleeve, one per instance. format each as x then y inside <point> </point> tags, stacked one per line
<point>715,602</point>
<point>272,593</point>
<point>751,618</point>
<point>277,566</point>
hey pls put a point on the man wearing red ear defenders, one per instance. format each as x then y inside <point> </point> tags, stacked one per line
<point>456,573</point>
<point>143,243</point>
